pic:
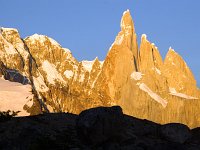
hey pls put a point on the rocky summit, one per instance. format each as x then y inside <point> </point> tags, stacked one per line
<point>131,76</point>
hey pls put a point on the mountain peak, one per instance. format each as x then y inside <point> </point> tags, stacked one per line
<point>2,29</point>
<point>35,37</point>
<point>42,38</point>
<point>127,11</point>
<point>171,50</point>
<point>179,75</point>
<point>126,21</point>
<point>171,54</point>
<point>96,59</point>
<point>144,36</point>
<point>149,55</point>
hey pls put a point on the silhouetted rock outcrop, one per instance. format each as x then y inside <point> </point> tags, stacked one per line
<point>99,125</point>
<point>102,128</point>
<point>175,132</point>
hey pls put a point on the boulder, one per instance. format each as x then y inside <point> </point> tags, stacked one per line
<point>175,132</point>
<point>98,125</point>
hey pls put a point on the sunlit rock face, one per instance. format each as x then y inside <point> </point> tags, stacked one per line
<point>134,77</point>
<point>178,74</point>
<point>120,61</point>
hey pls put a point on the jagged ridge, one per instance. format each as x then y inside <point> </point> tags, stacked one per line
<point>135,78</point>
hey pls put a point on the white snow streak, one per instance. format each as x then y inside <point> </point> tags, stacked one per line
<point>157,70</point>
<point>39,84</point>
<point>153,95</point>
<point>175,93</point>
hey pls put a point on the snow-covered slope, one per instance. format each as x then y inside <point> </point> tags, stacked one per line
<point>14,96</point>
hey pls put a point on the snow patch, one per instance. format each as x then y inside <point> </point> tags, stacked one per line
<point>157,70</point>
<point>87,65</point>
<point>67,50</point>
<point>127,11</point>
<point>119,39</point>
<point>153,95</point>
<point>39,84</point>
<point>69,74</point>
<point>54,42</point>
<point>41,38</point>
<point>122,25</point>
<point>144,36</point>
<point>13,96</point>
<point>9,29</point>
<point>50,108</point>
<point>101,62</point>
<point>81,77</point>
<point>136,75</point>
<point>175,93</point>
<point>171,49</point>
<point>51,71</point>
<point>9,48</point>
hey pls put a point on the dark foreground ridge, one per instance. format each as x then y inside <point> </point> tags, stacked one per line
<point>102,128</point>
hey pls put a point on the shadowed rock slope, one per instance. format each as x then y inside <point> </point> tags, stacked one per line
<point>102,128</point>
<point>134,77</point>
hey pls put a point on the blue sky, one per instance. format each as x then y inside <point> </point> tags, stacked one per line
<point>89,27</point>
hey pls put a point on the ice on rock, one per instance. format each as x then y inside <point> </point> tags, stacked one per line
<point>87,65</point>
<point>175,93</point>
<point>69,74</point>
<point>9,48</point>
<point>119,39</point>
<point>51,71</point>
<point>144,36</point>
<point>8,29</point>
<point>54,42</point>
<point>42,39</point>
<point>157,70</point>
<point>39,84</point>
<point>153,95</point>
<point>136,75</point>
<point>67,50</point>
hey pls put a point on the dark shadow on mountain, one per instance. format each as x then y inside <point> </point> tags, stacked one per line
<point>102,128</point>
<point>12,75</point>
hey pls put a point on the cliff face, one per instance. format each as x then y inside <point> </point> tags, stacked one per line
<point>135,78</point>
<point>178,74</point>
